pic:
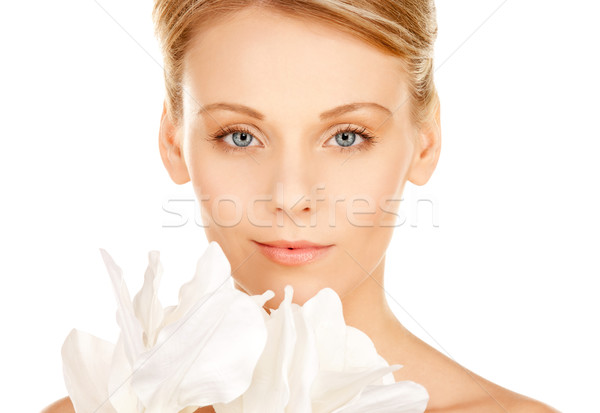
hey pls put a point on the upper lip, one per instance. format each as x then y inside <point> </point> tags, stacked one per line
<point>281,243</point>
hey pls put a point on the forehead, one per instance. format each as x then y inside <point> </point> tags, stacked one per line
<point>259,56</point>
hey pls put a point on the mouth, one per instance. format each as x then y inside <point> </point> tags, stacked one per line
<point>293,252</point>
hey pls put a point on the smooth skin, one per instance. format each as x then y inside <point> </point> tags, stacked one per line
<point>292,70</point>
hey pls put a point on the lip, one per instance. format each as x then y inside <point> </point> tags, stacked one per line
<point>302,252</point>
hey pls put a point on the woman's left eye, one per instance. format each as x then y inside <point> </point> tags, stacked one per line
<point>346,138</point>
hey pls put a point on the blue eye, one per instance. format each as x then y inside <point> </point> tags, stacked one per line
<point>345,137</point>
<point>241,138</point>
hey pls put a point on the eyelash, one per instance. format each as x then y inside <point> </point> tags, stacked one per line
<point>368,139</point>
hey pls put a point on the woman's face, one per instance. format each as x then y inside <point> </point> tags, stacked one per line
<point>289,165</point>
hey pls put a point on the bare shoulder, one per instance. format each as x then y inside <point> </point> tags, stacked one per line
<point>512,401</point>
<point>453,388</point>
<point>533,406</point>
<point>502,400</point>
<point>63,405</point>
<point>507,404</point>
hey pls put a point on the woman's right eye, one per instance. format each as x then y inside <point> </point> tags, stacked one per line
<point>235,138</point>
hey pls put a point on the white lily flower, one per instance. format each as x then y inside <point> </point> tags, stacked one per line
<point>219,347</point>
<point>200,352</point>
<point>314,363</point>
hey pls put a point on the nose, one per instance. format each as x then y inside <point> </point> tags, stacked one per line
<point>290,202</point>
<point>293,182</point>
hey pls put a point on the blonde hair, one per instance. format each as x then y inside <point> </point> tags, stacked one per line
<point>403,28</point>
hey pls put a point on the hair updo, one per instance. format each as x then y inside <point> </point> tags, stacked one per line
<point>403,28</point>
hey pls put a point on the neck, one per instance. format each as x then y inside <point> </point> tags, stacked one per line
<point>366,308</point>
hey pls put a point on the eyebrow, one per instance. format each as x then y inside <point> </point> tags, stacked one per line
<point>328,114</point>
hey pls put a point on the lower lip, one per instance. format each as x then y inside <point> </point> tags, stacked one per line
<point>296,256</point>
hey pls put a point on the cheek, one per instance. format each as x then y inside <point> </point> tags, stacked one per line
<point>372,189</point>
<point>222,186</point>
<point>222,193</point>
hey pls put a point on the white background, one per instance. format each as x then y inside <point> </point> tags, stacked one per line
<point>507,284</point>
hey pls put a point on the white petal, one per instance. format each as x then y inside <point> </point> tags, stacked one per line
<point>269,391</point>
<point>146,304</point>
<point>131,328</point>
<point>360,353</point>
<point>324,313</point>
<point>260,300</point>
<point>86,362</point>
<point>235,406</point>
<point>347,356</point>
<point>388,378</point>
<point>206,357</point>
<point>213,272</point>
<point>121,393</point>
<point>305,366</point>
<point>333,389</point>
<point>401,397</point>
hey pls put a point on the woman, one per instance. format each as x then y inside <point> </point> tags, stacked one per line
<point>298,124</point>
